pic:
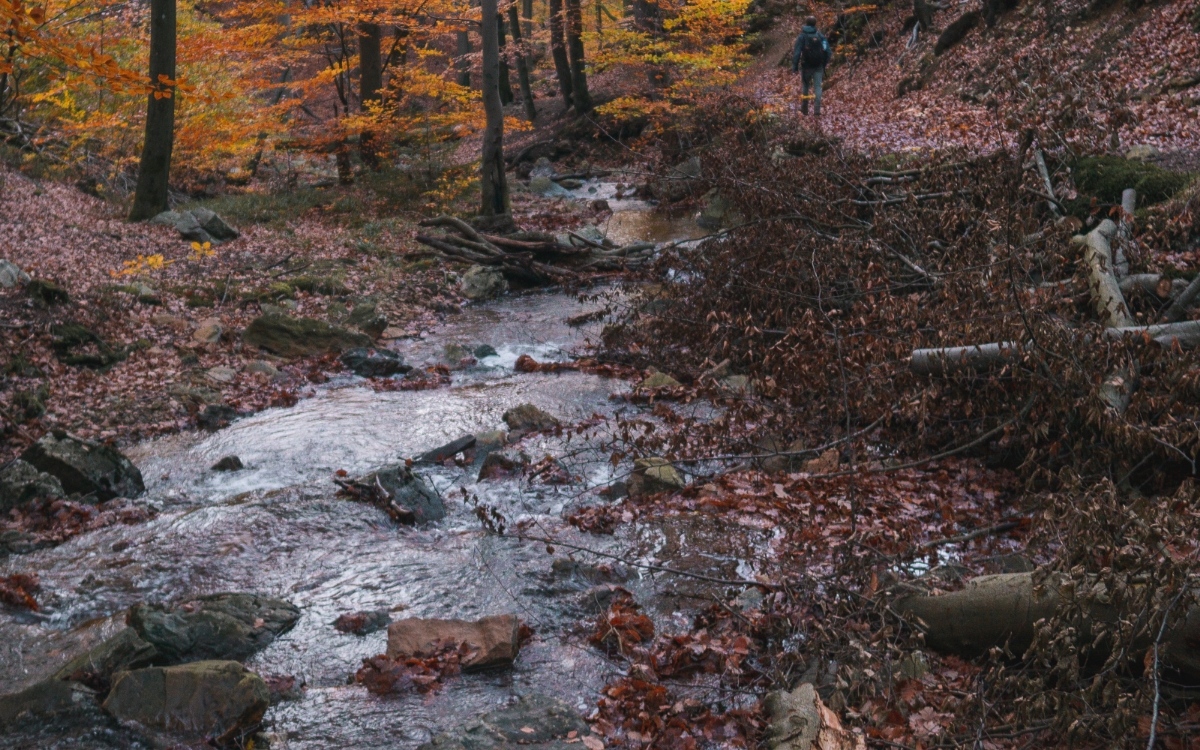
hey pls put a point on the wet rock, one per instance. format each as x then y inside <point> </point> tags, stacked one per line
<point>800,721</point>
<point>21,482</point>
<point>503,463</point>
<point>599,598</point>
<point>410,492</point>
<point>374,363</point>
<point>535,722</point>
<point>217,626</point>
<point>529,418</point>
<point>122,652</point>
<point>496,638</point>
<point>679,183</point>
<point>718,211</point>
<point>85,467</point>
<point>363,623</point>
<point>228,463</point>
<point>651,475</point>
<point>482,283</point>
<point>14,542</point>
<point>600,205</point>
<point>366,318</point>
<point>568,568</point>
<point>262,367</point>
<point>204,698</point>
<point>570,183</point>
<point>283,687</point>
<point>547,188</point>
<point>216,416</point>
<point>11,275</point>
<point>221,375</point>
<point>449,450</point>
<point>484,350</point>
<point>660,380</point>
<point>299,337</point>
<point>42,700</point>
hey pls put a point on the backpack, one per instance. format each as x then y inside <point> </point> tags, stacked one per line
<point>812,50</point>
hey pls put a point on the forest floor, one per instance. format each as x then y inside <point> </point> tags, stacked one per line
<point>319,251</point>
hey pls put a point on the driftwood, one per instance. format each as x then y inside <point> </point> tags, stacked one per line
<point>998,610</point>
<point>1106,292</point>
<point>536,259</point>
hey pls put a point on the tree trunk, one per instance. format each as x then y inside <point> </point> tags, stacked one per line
<point>579,90</point>
<point>493,186</point>
<point>522,65</point>
<point>154,169</point>
<point>462,63</point>
<point>1180,306</point>
<point>527,15</point>
<point>506,92</point>
<point>558,49</point>
<point>370,79</point>
<point>1167,335</point>
<point>924,14</point>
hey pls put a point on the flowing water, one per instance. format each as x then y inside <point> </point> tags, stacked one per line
<point>277,528</point>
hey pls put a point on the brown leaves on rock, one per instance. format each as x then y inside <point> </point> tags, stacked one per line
<point>622,627</point>
<point>422,672</point>
<point>17,589</point>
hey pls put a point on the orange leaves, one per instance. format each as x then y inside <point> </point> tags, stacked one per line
<point>16,590</point>
<point>623,626</point>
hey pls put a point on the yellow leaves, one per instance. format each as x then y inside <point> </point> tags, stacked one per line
<point>200,252</point>
<point>862,9</point>
<point>142,265</point>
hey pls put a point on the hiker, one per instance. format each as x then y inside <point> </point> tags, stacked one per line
<point>810,56</point>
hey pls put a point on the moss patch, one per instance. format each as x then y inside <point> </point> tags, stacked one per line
<point>1106,177</point>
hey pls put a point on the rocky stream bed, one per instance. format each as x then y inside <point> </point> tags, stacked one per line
<point>298,557</point>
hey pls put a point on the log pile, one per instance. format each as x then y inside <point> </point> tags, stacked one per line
<point>531,257</point>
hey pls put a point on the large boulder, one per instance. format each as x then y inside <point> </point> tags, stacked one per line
<point>410,492</point>
<point>535,722</point>
<point>197,225</point>
<point>21,482</point>
<point>482,283</point>
<point>214,225</point>
<point>374,363</point>
<point>11,275</point>
<point>217,626</point>
<point>85,467</point>
<point>547,188</point>
<point>495,640</point>
<point>222,699</point>
<point>299,337</point>
<point>529,418</point>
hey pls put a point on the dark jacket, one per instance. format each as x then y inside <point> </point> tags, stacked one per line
<point>807,32</point>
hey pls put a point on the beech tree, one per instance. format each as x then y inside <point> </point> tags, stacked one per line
<point>370,81</point>
<point>579,90</point>
<point>558,49</point>
<point>493,185</point>
<point>154,169</point>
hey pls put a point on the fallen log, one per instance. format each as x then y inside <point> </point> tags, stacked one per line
<point>998,610</point>
<point>1153,283</point>
<point>1186,334</point>
<point>1124,233</point>
<point>1179,308</point>
<point>1102,281</point>
<point>976,358</point>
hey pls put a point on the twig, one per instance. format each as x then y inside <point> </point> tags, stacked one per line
<point>286,258</point>
<point>286,271</point>
<point>647,566</point>
<point>999,528</point>
<point>1161,630</point>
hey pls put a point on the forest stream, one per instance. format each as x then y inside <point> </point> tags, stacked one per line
<point>276,528</point>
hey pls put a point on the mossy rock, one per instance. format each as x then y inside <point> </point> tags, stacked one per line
<point>295,337</point>
<point>199,301</point>
<point>46,293</point>
<point>327,286</point>
<point>1106,177</point>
